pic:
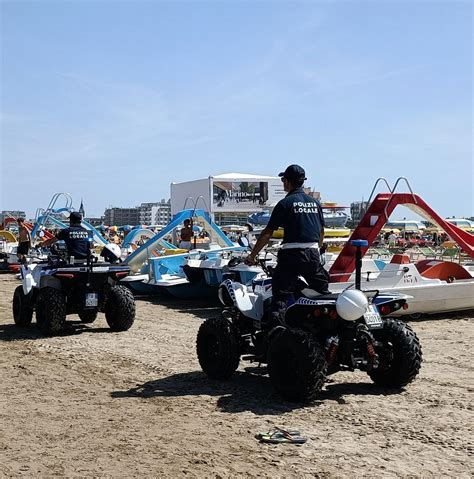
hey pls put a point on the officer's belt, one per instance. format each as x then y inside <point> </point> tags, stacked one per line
<point>300,246</point>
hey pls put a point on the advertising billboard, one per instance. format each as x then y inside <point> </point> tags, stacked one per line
<point>237,195</point>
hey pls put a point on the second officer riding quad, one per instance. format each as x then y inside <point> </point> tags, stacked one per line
<point>320,335</point>
<point>63,286</point>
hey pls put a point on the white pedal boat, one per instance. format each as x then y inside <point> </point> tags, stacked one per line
<point>436,286</point>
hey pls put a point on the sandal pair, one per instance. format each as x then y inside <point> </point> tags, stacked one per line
<point>279,435</point>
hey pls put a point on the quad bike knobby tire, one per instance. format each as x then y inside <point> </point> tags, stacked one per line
<point>400,359</point>
<point>87,316</point>
<point>22,309</point>
<point>50,311</point>
<point>218,348</point>
<point>296,365</point>
<point>120,308</point>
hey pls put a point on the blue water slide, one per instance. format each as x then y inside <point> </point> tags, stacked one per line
<point>138,258</point>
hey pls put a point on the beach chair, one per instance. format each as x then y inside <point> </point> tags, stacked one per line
<point>396,250</point>
<point>378,253</point>
<point>424,252</point>
<point>450,254</point>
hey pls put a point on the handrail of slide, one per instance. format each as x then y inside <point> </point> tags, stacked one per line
<point>43,216</point>
<point>196,201</point>
<point>375,186</point>
<point>56,197</point>
<point>39,212</point>
<point>393,191</point>
<point>206,207</point>
<point>186,201</point>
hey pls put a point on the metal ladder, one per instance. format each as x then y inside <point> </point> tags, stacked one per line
<point>42,215</point>
<point>391,190</point>
<point>196,201</point>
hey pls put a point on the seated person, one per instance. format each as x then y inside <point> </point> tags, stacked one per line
<point>76,237</point>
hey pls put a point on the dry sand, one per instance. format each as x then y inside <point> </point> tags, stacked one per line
<point>101,404</point>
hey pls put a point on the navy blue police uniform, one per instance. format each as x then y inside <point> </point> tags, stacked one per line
<point>302,218</point>
<point>77,241</point>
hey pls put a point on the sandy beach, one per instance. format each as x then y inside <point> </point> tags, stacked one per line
<point>135,404</point>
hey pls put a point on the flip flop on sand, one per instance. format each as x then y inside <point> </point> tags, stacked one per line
<point>279,435</point>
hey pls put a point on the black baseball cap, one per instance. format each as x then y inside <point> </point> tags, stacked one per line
<point>75,217</point>
<point>293,172</point>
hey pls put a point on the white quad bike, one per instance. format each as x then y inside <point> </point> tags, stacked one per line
<point>320,335</point>
<point>61,285</point>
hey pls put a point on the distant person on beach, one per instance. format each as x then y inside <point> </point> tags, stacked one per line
<point>76,237</point>
<point>186,234</point>
<point>301,216</point>
<point>24,241</point>
<point>392,239</point>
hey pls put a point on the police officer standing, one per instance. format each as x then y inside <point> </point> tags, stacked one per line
<point>76,237</point>
<point>301,216</point>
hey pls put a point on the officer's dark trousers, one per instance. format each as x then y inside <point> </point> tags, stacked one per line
<point>291,264</point>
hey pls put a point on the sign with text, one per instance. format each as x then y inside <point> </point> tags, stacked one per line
<point>245,195</point>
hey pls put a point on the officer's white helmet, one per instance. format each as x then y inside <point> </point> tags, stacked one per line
<point>351,304</point>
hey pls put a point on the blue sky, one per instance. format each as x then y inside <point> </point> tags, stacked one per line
<point>112,101</point>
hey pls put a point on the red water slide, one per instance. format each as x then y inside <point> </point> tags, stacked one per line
<point>376,217</point>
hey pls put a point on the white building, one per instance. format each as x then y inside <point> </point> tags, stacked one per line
<point>158,213</point>
<point>230,197</point>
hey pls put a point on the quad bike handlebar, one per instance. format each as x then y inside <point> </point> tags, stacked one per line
<point>262,262</point>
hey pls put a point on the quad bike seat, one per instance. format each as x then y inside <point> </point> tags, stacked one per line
<point>312,294</point>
